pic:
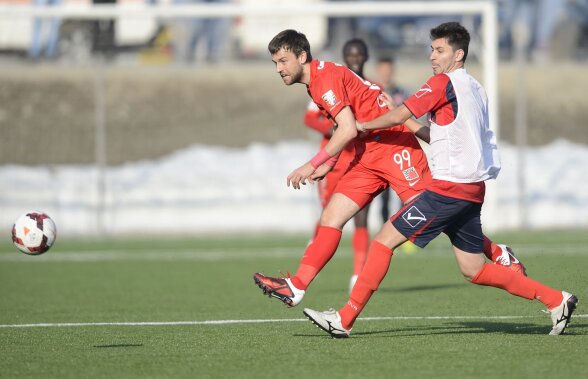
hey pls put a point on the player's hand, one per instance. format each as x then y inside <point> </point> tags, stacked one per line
<point>387,99</point>
<point>320,172</point>
<point>362,132</point>
<point>300,176</point>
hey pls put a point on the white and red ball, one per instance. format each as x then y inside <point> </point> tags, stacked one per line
<point>33,233</point>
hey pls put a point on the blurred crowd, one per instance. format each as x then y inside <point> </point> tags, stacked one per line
<point>557,30</point>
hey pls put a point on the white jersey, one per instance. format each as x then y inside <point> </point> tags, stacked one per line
<point>463,148</point>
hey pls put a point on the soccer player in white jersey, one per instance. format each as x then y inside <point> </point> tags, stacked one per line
<point>463,155</point>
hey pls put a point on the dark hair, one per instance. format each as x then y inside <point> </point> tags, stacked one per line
<point>356,42</point>
<point>457,36</point>
<point>290,40</point>
<point>387,59</point>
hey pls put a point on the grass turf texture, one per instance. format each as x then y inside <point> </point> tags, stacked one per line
<point>151,280</point>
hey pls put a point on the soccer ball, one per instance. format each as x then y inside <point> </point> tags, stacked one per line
<point>33,233</point>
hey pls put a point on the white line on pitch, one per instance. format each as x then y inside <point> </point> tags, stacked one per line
<point>226,322</point>
<point>151,255</point>
<point>217,255</point>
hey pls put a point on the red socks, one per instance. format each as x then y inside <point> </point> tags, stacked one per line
<point>316,229</point>
<point>371,276</point>
<point>493,275</point>
<point>316,256</point>
<point>360,243</point>
<point>501,277</point>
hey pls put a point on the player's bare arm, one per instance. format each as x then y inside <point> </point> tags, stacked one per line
<point>421,131</point>
<point>322,171</point>
<point>394,117</point>
<point>343,134</point>
<point>300,176</point>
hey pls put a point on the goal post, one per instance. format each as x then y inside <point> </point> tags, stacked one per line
<point>484,42</point>
<point>264,8</point>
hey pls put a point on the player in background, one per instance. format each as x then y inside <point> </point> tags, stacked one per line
<point>387,157</point>
<point>355,55</point>
<point>463,155</point>
<point>386,70</point>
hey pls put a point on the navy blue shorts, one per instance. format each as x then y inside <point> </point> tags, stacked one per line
<point>430,214</point>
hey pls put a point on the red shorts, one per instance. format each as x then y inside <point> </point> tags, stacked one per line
<point>390,157</point>
<point>326,187</point>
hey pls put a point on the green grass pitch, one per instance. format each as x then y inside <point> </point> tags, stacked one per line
<point>188,308</point>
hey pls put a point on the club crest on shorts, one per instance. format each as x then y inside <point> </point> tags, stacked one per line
<point>413,216</point>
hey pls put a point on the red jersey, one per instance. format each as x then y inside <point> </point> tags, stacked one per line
<point>315,119</point>
<point>385,157</point>
<point>436,97</point>
<point>333,87</point>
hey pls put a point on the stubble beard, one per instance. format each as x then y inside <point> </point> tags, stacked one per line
<point>295,77</point>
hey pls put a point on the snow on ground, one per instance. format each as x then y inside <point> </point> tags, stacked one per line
<point>216,189</point>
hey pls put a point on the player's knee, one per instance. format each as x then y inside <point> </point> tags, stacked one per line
<point>332,221</point>
<point>469,273</point>
<point>335,215</point>
<point>468,276</point>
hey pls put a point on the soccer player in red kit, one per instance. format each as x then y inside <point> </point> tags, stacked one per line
<point>387,157</point>
<point>355,55</point>
<point>463,155</point>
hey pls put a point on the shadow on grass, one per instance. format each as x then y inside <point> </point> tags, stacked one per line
<point>118,345</point>
<point>428,287</point>
<point>576,328</point>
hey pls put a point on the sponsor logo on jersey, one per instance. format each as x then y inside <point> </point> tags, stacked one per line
<point>424,90</point>
<point>329,97</point>
<point>413,217</point>
<point>321,65</point>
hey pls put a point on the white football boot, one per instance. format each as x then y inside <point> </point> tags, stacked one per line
<point>562,314</point>
<point>329,321</point>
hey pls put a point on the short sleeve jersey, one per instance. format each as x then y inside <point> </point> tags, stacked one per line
<point>333,87</point>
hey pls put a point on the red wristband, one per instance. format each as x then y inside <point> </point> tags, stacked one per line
<point>332,161</point>
<point>321,157</point>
